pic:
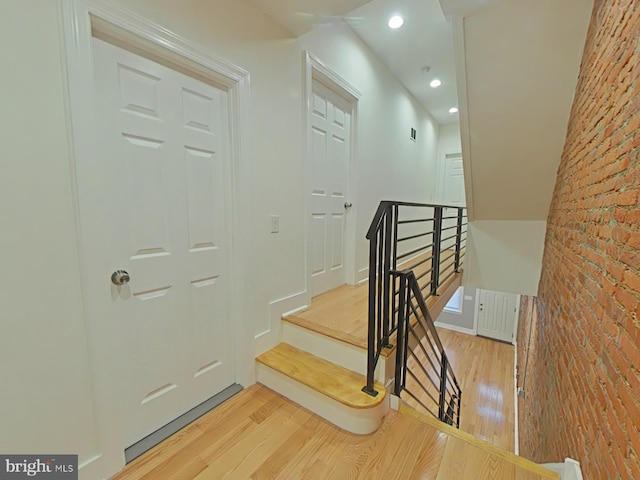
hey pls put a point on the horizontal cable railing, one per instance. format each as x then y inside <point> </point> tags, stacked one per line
<point>428,240</point>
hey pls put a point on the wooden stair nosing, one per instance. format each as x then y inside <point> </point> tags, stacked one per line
<point>332,380</point>
<point>512,458</point>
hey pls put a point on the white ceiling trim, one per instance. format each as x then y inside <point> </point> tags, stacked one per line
<point>463,111</point>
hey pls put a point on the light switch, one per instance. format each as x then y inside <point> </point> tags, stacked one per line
<point>275,223</point>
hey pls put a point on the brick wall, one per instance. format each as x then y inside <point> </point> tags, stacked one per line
<point>583,380</point>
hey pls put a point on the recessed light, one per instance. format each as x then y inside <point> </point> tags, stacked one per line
<point>396,21</point>
<point>453,110</point>
<point>435,83</point>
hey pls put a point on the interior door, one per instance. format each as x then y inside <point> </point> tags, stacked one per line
<point>497,314</point>
<point>330,160</point>
<point>154,202</point>
<point>453,188</point>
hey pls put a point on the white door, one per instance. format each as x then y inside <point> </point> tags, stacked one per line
<point>330,160</point>
<point>452,192</point>
<point>453,185</point>
<point>154,201</point>
<point>497,315</point>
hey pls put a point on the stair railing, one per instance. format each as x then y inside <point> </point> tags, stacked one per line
<point>428,239</point>
<point>423,369</point>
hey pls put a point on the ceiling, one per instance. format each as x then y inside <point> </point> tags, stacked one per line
<point>513,73</point>
<point>425,40</point>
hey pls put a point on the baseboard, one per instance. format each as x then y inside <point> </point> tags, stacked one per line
<point>363,275</point>
<point>91,468</point>
<point>515,401</point>
<point>455,328</point>
<point>269,336</point>
<point>569,470</point>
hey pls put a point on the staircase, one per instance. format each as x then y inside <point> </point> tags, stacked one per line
<point>351,365</point>
<point>343,370</point>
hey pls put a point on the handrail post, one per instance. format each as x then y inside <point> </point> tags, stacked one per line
<point>435,256</point>
<point>443,387</point>
<point>394,265</point>
<point>458,241</point>
<point>400,337</point>
<point>387,314</point>
<point>459,403</point>
<point>371,336</point>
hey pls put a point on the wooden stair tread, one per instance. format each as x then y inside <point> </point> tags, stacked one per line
<point>321,375</point>
<point>341,313</point>
<point>498,452</point>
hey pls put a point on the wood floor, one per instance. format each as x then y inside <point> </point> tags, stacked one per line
<point>484,369</point>
<point>342,313</point>
<point>258,434</point>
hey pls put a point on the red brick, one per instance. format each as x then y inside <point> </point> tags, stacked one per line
<point>583,397</point>
<point>630,348</point>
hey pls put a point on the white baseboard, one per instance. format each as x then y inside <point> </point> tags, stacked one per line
<point>92,468</point>
<point>455,328</point>
<point>363,275</point>
<point>569,470</point>
<point>270,335</point>
<point>515,400</point>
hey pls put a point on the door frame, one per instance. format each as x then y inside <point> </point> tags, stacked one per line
<point>315,69</point>
<point>441,173</point>
<point>476,316</point>
<point>79,17</point>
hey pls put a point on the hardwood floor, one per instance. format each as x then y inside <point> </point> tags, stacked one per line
<point>484,369</point>
<point>342,313</point>
<point>258,434</point>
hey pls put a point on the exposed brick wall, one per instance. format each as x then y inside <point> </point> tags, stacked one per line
<point>583,393</point>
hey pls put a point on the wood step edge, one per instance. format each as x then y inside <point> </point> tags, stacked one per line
<point>333,334</point>
<point>325,377</point>
<point>326,331</point>
<point>510,457</point>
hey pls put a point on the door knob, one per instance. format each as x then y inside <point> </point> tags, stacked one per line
<point>348,204</point>
<point>120,277</point>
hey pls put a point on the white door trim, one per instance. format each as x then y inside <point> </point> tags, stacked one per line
<point>441,171</point>
<point>517,298</point>
<point>315,69</point>
<point>79,18</point>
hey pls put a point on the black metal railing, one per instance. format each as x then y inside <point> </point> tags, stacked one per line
<point>428,240</point>
<point>423,370</point>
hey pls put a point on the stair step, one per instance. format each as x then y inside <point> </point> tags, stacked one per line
<point>347,355</point>
<point>517,461</point>
<point>332,380</point>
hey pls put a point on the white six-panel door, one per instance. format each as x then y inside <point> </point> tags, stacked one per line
<point>453,187</point>
<point>154,201</point>
<point>497,314</point>
<point>330,160</point>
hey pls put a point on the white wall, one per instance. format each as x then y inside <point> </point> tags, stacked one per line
<point>389,166</point>
<point>449,139</point>
<point>46,401</point>
<point>243,35</point>
<point>464,320</point>
<point>505,256</point>
<point>45,398</point>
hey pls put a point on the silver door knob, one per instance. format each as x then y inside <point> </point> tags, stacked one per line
<point>120,277</point>
<point>348,204</point>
